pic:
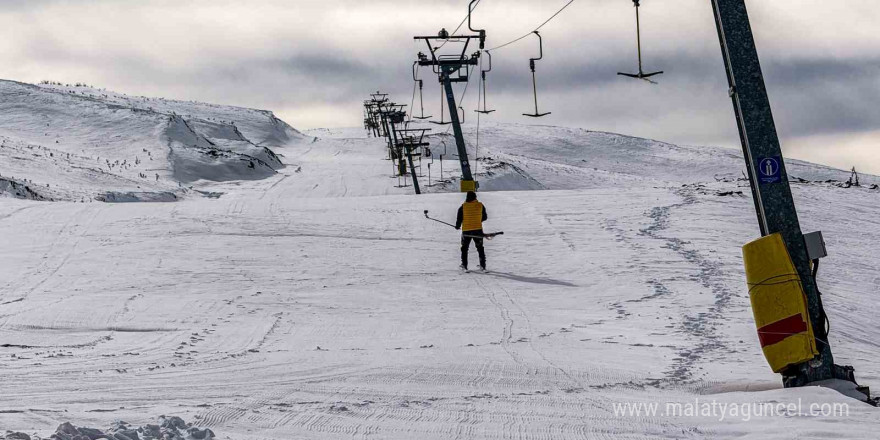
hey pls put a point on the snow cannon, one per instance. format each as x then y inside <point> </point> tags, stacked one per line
<point>779,304</point>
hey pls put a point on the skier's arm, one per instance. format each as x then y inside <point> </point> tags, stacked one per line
<point>460,217</point>
<point>485,217</point>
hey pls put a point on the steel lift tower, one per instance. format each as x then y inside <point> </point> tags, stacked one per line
<point>451,69</point>
<point>771,192</point>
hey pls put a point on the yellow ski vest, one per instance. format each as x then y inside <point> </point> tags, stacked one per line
<point>472,216</point>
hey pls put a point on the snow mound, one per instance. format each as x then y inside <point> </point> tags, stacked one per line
<point>194,156</point>
<point>503,176</point>
<point>167,428</point>
<point>131,197</point>
<point>494,176</point>
<point>11,188</point>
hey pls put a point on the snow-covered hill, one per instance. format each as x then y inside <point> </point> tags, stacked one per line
<point>318,302</point>
<point>527,157</point>
<point>81,143</point>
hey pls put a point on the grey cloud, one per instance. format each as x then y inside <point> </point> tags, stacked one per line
<point>346,54</point>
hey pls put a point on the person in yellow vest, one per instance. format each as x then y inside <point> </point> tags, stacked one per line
<point>471,216</point>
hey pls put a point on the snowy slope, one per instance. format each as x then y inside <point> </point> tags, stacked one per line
<point>319,303</point>
<point>80,143</point>
<point>534,157</point>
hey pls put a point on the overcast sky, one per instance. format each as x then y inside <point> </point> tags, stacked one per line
<point>313,62</point>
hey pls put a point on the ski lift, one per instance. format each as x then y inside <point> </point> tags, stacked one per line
<point>641,75</point>
<point>421,100</point>
<point>442,108</point>
<point>483,81</point>
<point>534,81</point>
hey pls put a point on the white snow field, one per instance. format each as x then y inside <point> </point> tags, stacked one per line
<point>318,302</point>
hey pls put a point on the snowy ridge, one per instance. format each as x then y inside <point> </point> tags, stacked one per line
<point>548,157</point>
<point>81,143</point>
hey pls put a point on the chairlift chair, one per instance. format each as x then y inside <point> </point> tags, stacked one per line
<point>641,75</point>
<point>534,81</point>
<point>483,73</point>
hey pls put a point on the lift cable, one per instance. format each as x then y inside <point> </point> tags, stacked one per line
<point>477,148</point>
<point>415,84</point>
<point>413,101</point>
<point>536,29</point>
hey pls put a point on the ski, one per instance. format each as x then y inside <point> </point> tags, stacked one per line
<point>487,236</point>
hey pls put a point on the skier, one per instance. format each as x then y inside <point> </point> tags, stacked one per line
<point>471,216</point>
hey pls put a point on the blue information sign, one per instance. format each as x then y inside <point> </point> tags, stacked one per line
<point>770,170</point>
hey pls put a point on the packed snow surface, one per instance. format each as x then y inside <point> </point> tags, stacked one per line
<point>318,302</point>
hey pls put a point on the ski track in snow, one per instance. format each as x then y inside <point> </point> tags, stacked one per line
<point>701,325</point>
<point>314,305</point>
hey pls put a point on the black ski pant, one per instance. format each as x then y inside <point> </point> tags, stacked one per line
<point>477,237</point>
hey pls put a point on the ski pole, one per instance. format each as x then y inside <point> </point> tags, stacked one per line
<point>438,221</point>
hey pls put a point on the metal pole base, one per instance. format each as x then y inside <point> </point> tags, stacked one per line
<point>802,375</point>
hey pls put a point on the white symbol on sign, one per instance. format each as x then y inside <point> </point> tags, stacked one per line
<point>769,167</point>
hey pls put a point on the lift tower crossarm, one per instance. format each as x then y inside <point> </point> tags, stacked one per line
<point>410,144</point>
<point>378,100</point>
<point>392,113</point>
<point>771,192</point>
<point>372,121</point>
